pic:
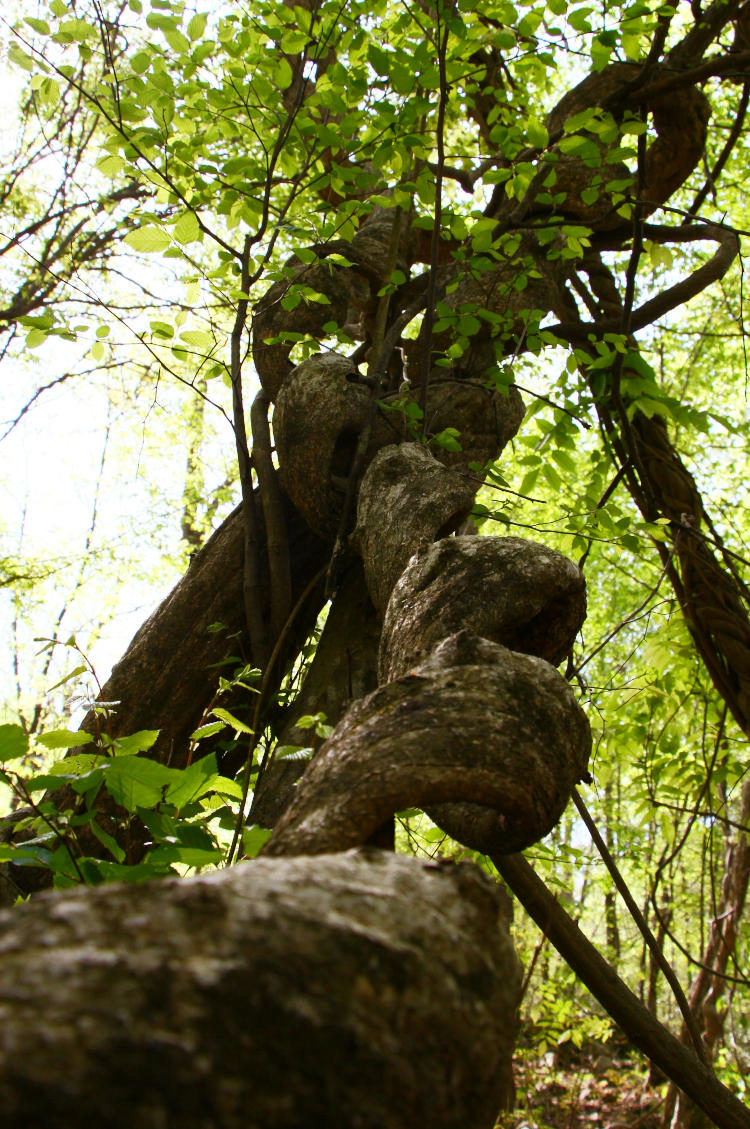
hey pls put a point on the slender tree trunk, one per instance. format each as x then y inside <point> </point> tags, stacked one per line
<point>610,896</point>
<point>709,985</point>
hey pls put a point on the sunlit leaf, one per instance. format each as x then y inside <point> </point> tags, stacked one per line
<point>14,742</point>
<point>148,239</point>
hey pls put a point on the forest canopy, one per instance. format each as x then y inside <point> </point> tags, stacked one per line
<point>291,292</point>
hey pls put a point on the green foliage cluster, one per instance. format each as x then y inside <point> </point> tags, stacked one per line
<point>180,807</point>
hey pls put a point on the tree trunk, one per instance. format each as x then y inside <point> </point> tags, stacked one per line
<point>709,984</point>
<point>281,994</point>
<point>170,671</point>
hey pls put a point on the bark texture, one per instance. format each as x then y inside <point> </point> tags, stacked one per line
<point>171,668</point>
<point>475,722</point>
<point>406,501</point>
<point>486,419</point>
<point>519,593</point>
<point>345,668</point>
<point>321,409</point>
<point>276,995</point>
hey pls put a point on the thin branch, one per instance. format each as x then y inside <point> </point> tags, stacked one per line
<point>279,568</point>
<point>251,554</point>
<point>732,139</point>
<point>641,1027</point>
<point>643,926</point>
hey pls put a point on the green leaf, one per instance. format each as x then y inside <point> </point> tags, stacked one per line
<point>187,228</point>
<point>294,41</point>
<point>46,782</point>
<point>89,783</point>
<point>197,25</point>
<point>198,339</point>
<point>222,786</point>
<point>140,62</point>
<point>187,856</point>
<point>590,195</point>
<point>25,854</point>
<point>14,743</point>
<point>291,300</point>
<point>379,60</point>
<point>107,841</point>
<point>564,460</point>
<point>38,25</point>
<point>139,742</point>
<point>64,739</point>
<point>293,752</point>
<point>207,730</point>
<point>148,239</point>
<point>537,134</point>
<point>141,872</point>
<point>403,79</point>
<point>61,863</point>
<point>135,782</point>
<point>20,59</point>
<point>77,764</point>
<point>230,719</point>
<point>176,40</point>
<point>162,825</point>
<point>283,73</point>
<point>193,782</point>
<point>308,720</point>
<point>528,481</point>
<point>78,31</point>
<point>253,839</point>
<point>35,338</point>
<point>578,19</point>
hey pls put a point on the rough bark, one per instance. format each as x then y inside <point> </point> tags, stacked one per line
<point>170,671</point>
<point>345,668</point>
<point>275,995</point>
<point>406,501</point>
<point>321,409</point>
<point>710,597</point>
<point>475,723</point>
<point>518,593</point>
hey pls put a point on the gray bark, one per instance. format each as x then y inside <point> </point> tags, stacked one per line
<point>406,501</point>
<point>515,592</point>
<point>321,408</point>
<point>275,995</point>
<point>476,724</point>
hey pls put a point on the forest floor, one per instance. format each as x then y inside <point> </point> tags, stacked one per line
<point>595,1087</point>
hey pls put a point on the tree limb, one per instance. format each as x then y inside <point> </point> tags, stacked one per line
<point>640,1026</point>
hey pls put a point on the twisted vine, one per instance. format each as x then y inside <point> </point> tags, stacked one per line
<point>470,721</point>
